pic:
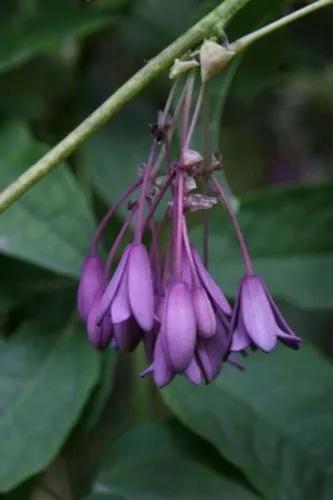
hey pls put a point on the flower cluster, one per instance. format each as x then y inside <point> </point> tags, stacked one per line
<point>161,292</point>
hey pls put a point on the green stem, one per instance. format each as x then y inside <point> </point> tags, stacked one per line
<point>211,23</point>
<point>247,40</point>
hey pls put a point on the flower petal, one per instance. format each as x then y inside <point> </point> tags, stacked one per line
<point>285,333</point>
<point>112,287</point>
<point>211,287</point>
<point>127,334</point>
<point>92,281</point>
<point>223,334</point>
<point>99,335</point>
<point>291,341</point>
<point>257,314</point>
<point>159,307</point>
<point>140,286</point>
<point>240,338</point>
<point>240,341</point>
<point>163,373</point>
<point>193,372</point>
<point>204,360</point>
<point>204,313</point>
<point>180,326</point>
<point>150,342</point>
<point>211,352</point>
<point>120,309</point>
<point>232,361</point>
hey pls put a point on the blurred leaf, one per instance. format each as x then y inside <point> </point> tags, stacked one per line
<point>53,22</point>
<point>53,80</point>
<point>162,461</point>
<point>45,379</point>
<point>51,224</point>
<point>274,421</point>
<point>21,282</point>
<point>103,390</point>
<point>105,496</point>
<point>289,234</point>
<point>115,153</point>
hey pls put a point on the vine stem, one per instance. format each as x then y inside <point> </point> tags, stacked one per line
<point>210,24</point>
<point>247,40</point>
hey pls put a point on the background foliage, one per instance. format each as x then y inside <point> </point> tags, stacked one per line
<point>77,424</point>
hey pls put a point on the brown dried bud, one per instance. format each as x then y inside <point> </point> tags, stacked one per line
<point>160,128</point>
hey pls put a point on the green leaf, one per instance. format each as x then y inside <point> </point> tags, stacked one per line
<point>102,392</point>
<point>51,224</point>
<point>274,421</point>
<point>45,379</point>
<point>53,23</point>
<point>289,234</point>
<point>115,153</point>
<point>161,461</point>
<point>21,282</point>
<point>105,496</point>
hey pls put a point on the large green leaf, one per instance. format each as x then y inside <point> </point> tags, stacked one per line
<point>52,23</point>
<point>289,234</point>
<point>274,421</point>
<point>45,379</point>
<point>162,461</point>
<point>21,282</point>
<point>51,224</point>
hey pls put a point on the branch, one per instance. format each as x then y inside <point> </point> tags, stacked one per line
<point>210,24</point>
<point>213,22</point>
<point>247,40</point>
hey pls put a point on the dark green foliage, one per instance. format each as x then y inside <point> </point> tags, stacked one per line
<point>262,433</point>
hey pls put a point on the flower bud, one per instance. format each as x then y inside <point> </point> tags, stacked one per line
<point>213,57</point>
<point>195,202</point>
<point>180,67</point>
<point>191,157</point>
<point>91,283</point>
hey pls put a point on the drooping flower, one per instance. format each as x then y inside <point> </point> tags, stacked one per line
<point>194,334</point>
<point>99,334</point>
<point>209,355</point>
<point>211,287</point>
<point>256,320</point>
<point>179,326</point>
<point>91,284</point>
<point>128,299</point>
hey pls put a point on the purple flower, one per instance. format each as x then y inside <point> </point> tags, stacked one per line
<point>204,313</point>
<point>179,326</point>
<point>99,334</point>
<point>128,299</point>
<point>194,335</point>
<point>91,284</point>
<point>209,355</point>
<point>256,320</point>
<point>211,287</point>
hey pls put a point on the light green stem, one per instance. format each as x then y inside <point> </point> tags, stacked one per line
<point>247,40</point>
<point>213,22</point>
<point>209,25</point>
